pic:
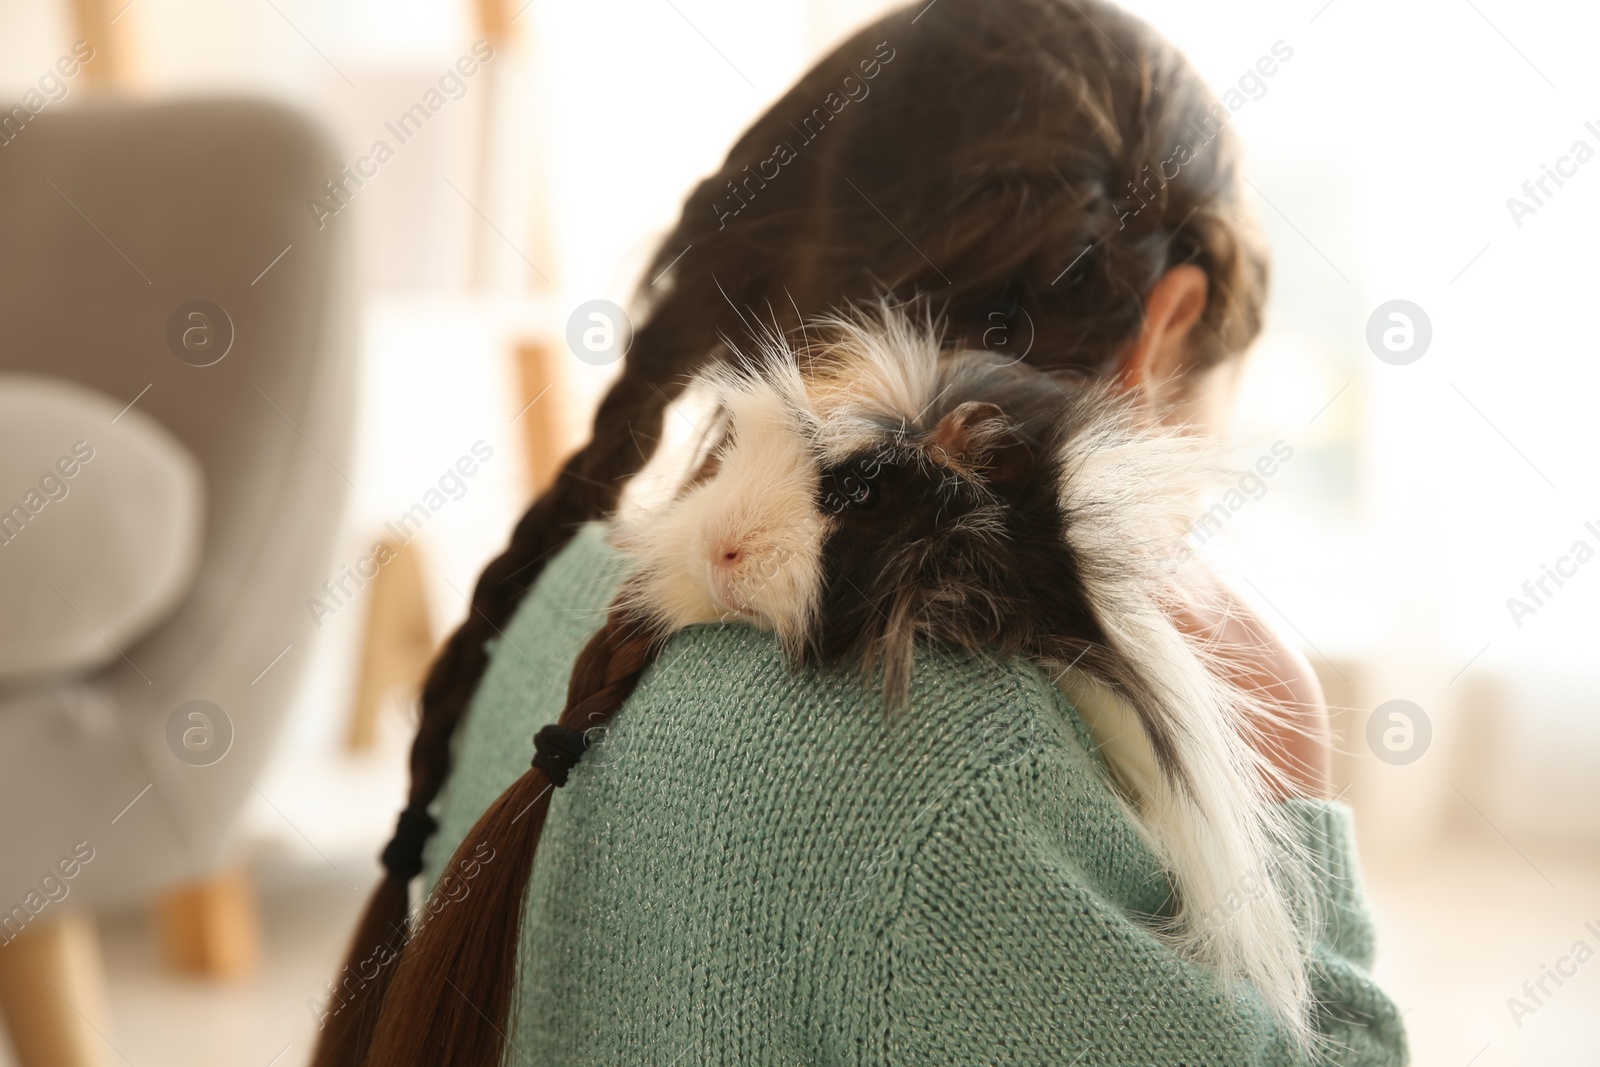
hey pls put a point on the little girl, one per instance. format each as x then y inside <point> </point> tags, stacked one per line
<point>767,868</point>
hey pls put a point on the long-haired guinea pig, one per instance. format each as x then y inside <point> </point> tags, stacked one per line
<point>889,494</point>
<point>872,491</point>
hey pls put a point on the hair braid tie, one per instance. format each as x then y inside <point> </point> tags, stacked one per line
<point>623,649</point>
<point>402,856</point>
<point>557,749</point>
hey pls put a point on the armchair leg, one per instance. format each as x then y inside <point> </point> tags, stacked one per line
<point>53,995</point>
<point>211,928</point>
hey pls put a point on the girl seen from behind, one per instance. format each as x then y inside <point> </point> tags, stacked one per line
<point>775,869</point>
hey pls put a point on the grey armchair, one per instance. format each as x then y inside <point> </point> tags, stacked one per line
<point>112,216</point>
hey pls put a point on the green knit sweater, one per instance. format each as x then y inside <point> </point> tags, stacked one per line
<point>759,867</point>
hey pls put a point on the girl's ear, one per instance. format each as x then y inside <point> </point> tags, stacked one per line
<point>1159,356</point>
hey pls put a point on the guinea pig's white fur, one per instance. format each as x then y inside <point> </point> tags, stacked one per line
<point>745,543</point>
<point>1239,869</point>
<point>1245,904</point>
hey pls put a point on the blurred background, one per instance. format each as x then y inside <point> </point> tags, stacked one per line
<point>1426,386</point>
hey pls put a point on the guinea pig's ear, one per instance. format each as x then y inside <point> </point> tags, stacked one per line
<point>979,437</point>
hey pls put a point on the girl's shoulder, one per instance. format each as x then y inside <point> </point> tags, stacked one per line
<point>755,850</point>
<point>721,713</point>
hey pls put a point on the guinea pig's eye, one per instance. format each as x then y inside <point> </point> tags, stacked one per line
<point>862,494</point>
<point>849,491</point>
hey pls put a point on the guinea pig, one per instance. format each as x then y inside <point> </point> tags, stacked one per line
<point>873,492</point>
<point>893,493</point>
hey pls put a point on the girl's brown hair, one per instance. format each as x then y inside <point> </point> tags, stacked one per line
<point>1032,167</point>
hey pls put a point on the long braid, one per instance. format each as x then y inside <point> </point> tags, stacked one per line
<point>586,489</point>
<point>450,1002</point>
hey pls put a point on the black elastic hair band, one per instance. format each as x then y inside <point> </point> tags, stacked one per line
<point>557,749</point>
<point>402,856</point>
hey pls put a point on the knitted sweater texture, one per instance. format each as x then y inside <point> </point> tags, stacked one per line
<point>759,866</point>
